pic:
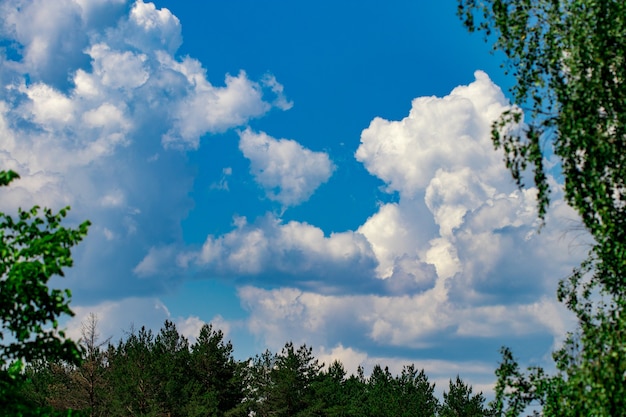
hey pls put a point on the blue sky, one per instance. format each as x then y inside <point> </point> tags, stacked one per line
<point>311,171</point>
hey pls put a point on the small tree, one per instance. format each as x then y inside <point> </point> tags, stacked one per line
<point>417,394</point>
<point>214,378</point>
<point>293,376</point>
<point>90,375</point>
<point>256,374</point>
<point>459,401</point>
<point>131,375</point>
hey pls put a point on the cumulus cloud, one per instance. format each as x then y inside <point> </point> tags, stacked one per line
<point>287,171</point>
<point>208,108</point>
<point>118,70</point>
<point>94,97</point>
<point>122,71</point>
<point>480,229</point>
<point>50,35</point>
<point>154,29</point>
<point>270,250</point>
<point>461,231</point>
<point>461,234</point>
<point>438,135</point>
<point>419,322</point>
<point>444,339</point>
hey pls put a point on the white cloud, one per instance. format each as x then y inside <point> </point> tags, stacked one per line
<point>287,171</point>
<point>155,261</point>
<point>350,358</point>
<point>208,108</point>
<point>277,88</point>
<point>86,115</point>
<point>459,210</point>
<point>223,182</point>
<point>400,330</point>
<point>478,374</point>
<point>106,116</point>
<point>398,230</point>
<point>293,251</point>
<point>461,234</point>
<point>117,318</point>
<point>51,33</point>
<point>48,106</point>
<point>420,322</point>
<point>190,327</point>
<point>113,199</point>
<point>439,134</point>
<point>459,227</point>
<point>153,28</point>
<point>117,69</point>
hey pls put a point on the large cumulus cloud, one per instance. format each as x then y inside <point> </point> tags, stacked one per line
<point>459,215</point>
<point>91,106</point>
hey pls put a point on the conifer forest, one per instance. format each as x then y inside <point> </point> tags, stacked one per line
<point>163,374</point>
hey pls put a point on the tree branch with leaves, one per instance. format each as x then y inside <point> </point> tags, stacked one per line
<point>34,247</point>
<point>568,59</point>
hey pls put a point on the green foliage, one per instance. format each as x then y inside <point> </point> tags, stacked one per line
<point>417,395</point>
<point>14,398</point>
<point>329,396</point>
<point>169,369</point>
<point>215,372</point>
<point>142,375</point>
<point>293,375</point>
<point>131,366</point>
<point>569,62</point>
<point>568,58</point>
<point>293,383</point>
<point>408,394</point>
<point>34,247</point>
<point>459,401</point>
<point>164,375</point>
<point>281,384</point>
<point>258,383</point>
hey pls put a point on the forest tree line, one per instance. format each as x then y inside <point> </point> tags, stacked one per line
<point>163,374</point>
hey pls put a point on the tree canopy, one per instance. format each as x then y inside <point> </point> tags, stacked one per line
<point>148,375</point>
<point>568,59</point>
